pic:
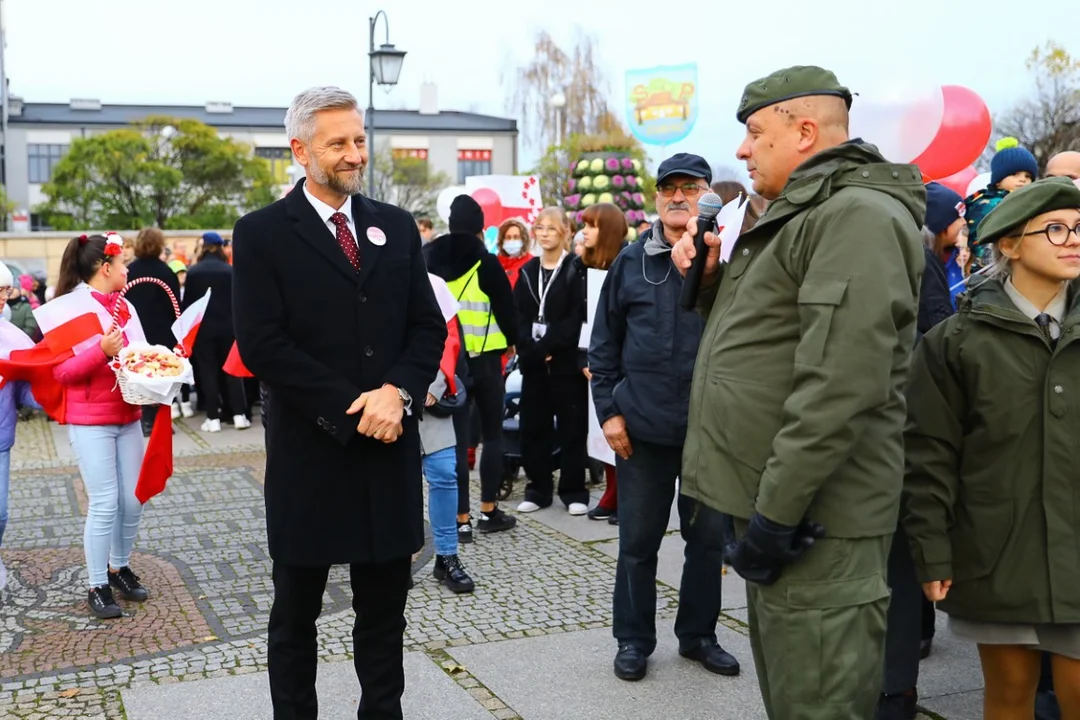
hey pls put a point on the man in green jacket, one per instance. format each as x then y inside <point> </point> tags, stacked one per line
<point>797,410</point>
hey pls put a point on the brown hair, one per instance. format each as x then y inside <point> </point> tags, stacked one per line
<point>505,227</point>
<point>425,222</point>
<point>149,243</point>
<point>729,190</point>
<point>82,258</point>
<point>611,222</point>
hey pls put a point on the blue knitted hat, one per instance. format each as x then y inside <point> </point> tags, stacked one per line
<point>943,207</point>
<point>1011,159</point>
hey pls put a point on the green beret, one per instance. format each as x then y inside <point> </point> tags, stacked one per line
<point>1021,205</point>
<point>792,82</point>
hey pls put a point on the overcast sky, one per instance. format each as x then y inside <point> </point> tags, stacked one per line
<point>261,52</point>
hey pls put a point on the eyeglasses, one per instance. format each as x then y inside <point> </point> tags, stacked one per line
<point>688,189</point>
<point>6,292</point>
<point>1057,233</point>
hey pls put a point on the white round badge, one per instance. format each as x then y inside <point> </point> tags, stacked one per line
<point>376,236</point>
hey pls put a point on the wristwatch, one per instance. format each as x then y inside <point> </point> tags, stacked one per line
<point>406,398</point>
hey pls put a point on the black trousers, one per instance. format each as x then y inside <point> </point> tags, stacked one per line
<point>462,421</point>
<point>216,388</point>
<point>905,620</point>
<point>379,594</point>
<point>488,395</point>
<point>554,406</point>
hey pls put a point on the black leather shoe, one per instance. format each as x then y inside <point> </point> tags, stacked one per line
<point>897,707</point>
<point>630,663</point>
<point>712,657</point>
<point>925,646</point>
<point>449,571</point>
<point>128,585</point>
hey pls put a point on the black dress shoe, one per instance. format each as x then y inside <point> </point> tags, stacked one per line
<point>630,663</point>
<point>712,657</point>
<point>924,648</point>
<point>613,519</point>
<point>897,707</point>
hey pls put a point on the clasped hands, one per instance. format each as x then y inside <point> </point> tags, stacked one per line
<point>768,547</point>
<point>382,411</point>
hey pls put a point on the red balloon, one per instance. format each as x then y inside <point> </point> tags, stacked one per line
<point>959,182</point>
<point>489,202</point>
<point>962,137</point>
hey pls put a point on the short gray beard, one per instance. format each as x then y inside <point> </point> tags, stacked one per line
<point>335,183</point>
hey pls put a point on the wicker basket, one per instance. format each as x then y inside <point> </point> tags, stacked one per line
<point>132,393</point>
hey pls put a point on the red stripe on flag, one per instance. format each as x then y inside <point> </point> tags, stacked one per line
<point>234,365</point>
<point>157,465</point>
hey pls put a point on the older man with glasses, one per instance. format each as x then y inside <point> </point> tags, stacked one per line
<point>641,357</point>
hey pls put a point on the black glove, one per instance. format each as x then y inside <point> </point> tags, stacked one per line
<point>768,546</point>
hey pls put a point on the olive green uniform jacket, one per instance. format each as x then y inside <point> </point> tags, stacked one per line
<point>797,408</point>
<point>992,488</point>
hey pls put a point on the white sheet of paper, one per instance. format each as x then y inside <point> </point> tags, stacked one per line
<point>595,281</point>
<point>730,222</point>
<point>597,445</point>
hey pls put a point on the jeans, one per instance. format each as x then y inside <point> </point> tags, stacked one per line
<point>646,490</point>
<point>5,485</point>
<point>109,458</point>
<point>440,469</point>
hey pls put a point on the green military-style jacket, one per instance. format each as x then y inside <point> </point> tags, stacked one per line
<point>797,409</point>
<point>992,488</point>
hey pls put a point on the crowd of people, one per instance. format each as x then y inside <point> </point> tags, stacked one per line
<point>866,414</point>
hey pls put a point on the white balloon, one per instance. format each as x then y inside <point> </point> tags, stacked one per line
<point>901,122</point>
<point>442,203</point>
<point>979,183</point>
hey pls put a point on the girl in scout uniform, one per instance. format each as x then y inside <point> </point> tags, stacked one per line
<point>992,488</point>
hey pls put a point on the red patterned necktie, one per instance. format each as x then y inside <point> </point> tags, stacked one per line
<point>346,240</point>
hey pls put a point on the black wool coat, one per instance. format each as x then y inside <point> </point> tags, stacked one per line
<point>319,334</point>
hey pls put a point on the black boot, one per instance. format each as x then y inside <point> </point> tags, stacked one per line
<point>449,571</point>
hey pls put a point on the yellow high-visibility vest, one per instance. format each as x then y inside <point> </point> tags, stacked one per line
<point>482,333</point>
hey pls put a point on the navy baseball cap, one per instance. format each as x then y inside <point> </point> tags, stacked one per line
<point>684,164</point>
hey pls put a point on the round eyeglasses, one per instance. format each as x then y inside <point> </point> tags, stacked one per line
<point>1057,233</point>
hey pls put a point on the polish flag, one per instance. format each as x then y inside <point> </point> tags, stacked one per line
<point>187,325</point>
<point>70,324</point>
<point>234,365</point>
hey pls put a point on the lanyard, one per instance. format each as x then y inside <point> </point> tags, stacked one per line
<point>540,283</point>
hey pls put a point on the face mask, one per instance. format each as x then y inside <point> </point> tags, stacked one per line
<point>512,247</point>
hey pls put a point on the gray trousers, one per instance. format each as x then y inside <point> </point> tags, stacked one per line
<point>905,620</point>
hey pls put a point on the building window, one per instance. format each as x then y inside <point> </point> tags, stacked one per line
<point>472,162</point>
<point>42,159</point>
<point>37,223</point>
<point>280,159</point>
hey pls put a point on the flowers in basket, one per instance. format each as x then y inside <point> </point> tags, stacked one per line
<point>151,374</point>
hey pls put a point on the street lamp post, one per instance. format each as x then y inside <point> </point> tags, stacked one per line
<point>558,101</point>
<point>384,67</point>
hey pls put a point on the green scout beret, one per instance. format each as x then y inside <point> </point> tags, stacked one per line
<point>792,82</point>
<point>1021,205</point>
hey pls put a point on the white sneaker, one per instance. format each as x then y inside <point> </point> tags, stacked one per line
<point>240,422</point>
<point>175,411</point>
<point>186,410</point>
<point>578,508</point>
<point>527,506</point>
<point>211,426</point>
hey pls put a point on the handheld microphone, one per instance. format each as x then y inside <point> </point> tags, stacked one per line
<point>708,208</point>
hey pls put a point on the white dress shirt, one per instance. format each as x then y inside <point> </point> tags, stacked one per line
<point>1056,309</point>
<point>325,211</point>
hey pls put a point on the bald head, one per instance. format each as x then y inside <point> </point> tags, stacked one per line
<point>1064,164</point>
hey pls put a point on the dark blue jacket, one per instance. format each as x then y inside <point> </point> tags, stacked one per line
<point>643,347</point>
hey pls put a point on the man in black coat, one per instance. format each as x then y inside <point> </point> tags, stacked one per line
<point>335,313</point>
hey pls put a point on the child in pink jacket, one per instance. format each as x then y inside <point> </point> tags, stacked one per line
<point>103,429</point>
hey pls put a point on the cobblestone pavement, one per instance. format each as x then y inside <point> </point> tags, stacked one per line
<point>201,550</point>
